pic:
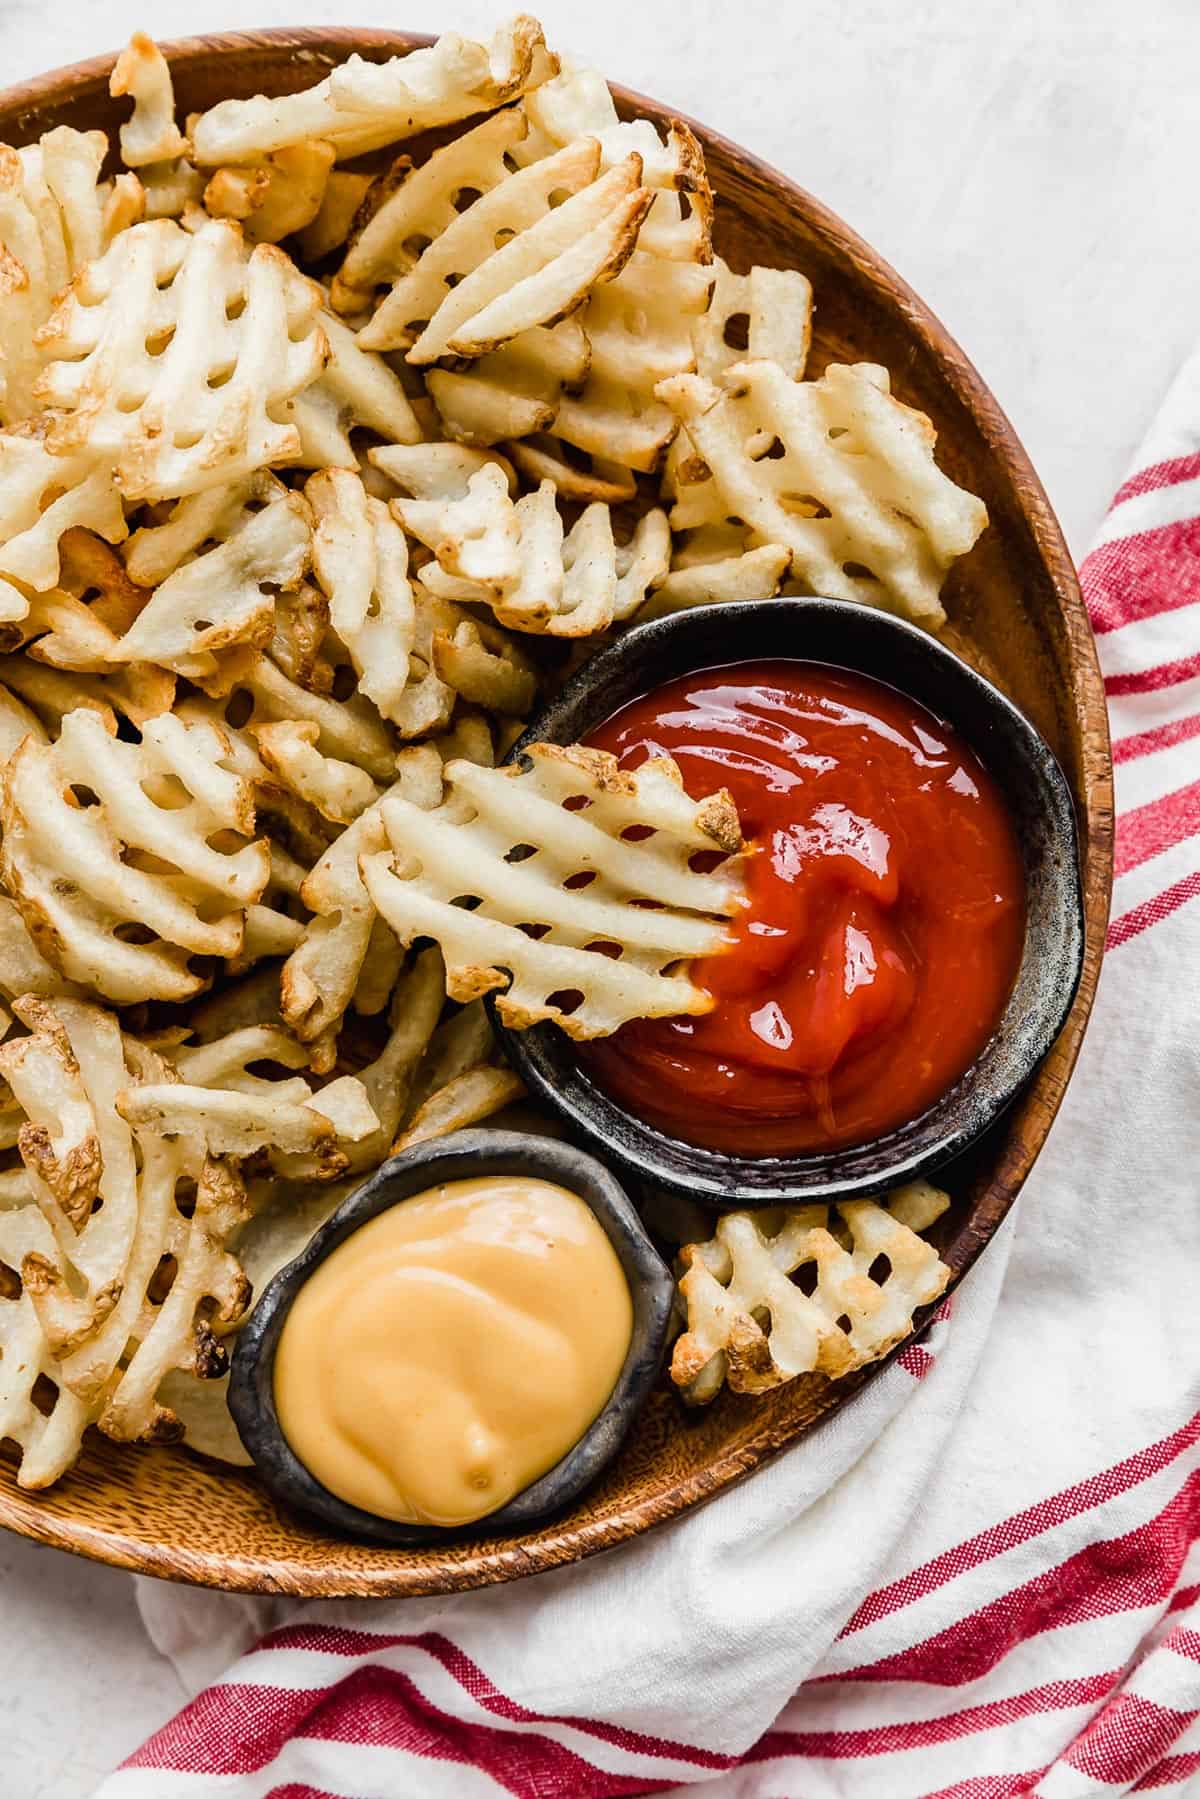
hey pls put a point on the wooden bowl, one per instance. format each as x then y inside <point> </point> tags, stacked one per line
<point>1015,609</point>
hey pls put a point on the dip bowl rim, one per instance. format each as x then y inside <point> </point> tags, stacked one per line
<point>1053,955</point>
<point>463,1155</point>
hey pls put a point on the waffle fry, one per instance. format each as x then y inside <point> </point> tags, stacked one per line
<point>714,568</point>
<point>345,192</point>
<point>640,328</point>
<point>224,596</point>
<point>319,979</point>
<point>276,197</point>
<point>459,852</point>
<point>239,1123</point>
<point>70,868</point>
<point>751,1326</point>
<point>413,206</point>
<point>42,497</point>
<point>55,214</point>
<point>49,1441</point>
<point>437,471</point>
<point>362,106</point>
<point>516,559</point>
<point>169,430</point>
<point>349,729</point>
<point>337,790</point>
<point>91,1290</point>
<point>65,1074</point>
<point>51,693</point>
<point>356,389</point>
<point>362,563</point>
<point>16,723</point>
<point>475,296</point>
<point>63,633</point>
<point>150,135</point>
<point>765,316</point>
<point>856,495</point>
<point>172,190</point>
<point>576,474</point>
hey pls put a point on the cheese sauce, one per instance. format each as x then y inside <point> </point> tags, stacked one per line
<point>885,922</point>
<point>454,1349</point>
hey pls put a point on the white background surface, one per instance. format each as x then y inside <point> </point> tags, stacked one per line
<point>1028,165</point>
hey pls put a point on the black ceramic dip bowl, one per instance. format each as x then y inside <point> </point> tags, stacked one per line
<point>467,1154</point>
<point>1038,801</point>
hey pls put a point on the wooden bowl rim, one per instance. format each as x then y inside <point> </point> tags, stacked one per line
<point>573,1542</point>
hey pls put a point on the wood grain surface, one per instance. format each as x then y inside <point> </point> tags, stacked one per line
<point>1015,609</point>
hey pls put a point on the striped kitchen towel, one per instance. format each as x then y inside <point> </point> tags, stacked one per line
<point>979,1579</point>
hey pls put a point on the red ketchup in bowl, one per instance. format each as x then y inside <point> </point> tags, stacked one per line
<point>885,916</point>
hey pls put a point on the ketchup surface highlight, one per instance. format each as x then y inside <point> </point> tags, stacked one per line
<point>885,921</point>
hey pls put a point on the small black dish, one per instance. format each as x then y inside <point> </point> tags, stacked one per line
<point>1039,800</point>
<point>466,1154</point>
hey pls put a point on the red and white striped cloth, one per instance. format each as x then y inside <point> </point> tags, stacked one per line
<point>980,1579</point>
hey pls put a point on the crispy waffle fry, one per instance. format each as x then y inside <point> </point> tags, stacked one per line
<point>362,106</point>
<point>171,190</point>
<point>158,415</point>
<point>51,693</point>
<point>91,1279</point>
<point>138,692</point>
<point>544,273</point>
<point>300,642</point>
<point>516,559</point>
<point>715,569</point>
<point>856,495</point>
<point>240,1123</point>
<point>55,215</point>
<point>92,570</point>
<point>344,193</point>
<point>74,868</point>
<point>138,1230</point>
<point>319,980</point>
<point>482,663</point>
<point>513,391</point>
<point>42,497</point>
<point>64,633</point>
<point>150,135</point>
<point>436,471</point>
<point>277,196</point>
<point>465,1100</point>
<point>765,316</point>
<point>225,595</point>
<point>464,296</point>
<point>49,1441</point>
<point>362,563</point>
<point>355,389</point>
<point>461,851</point>
<point>416,1005</point>
<point>749,1324</point>
<point>349,729</point>
<point>475,534</point>
<point>576,475</point>
<point>412,206</point>
<point>640,326</point>
<point>338,790</point>
<point>468,240</point>
<point>616,416</point>
<point>16,723</point>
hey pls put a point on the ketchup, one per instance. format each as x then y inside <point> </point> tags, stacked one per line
<point>884,923</point>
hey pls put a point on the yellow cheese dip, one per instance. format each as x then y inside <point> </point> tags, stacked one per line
<point>453,1349</point>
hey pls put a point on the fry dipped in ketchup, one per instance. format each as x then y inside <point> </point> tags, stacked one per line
<point>885,916</point>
